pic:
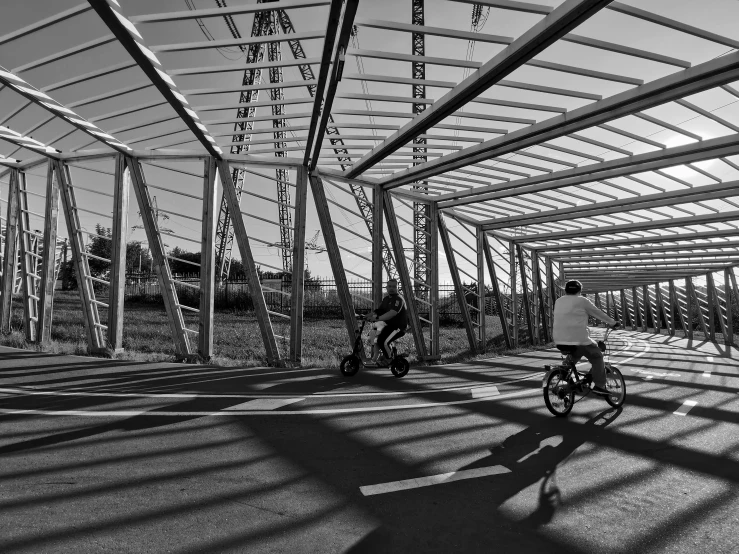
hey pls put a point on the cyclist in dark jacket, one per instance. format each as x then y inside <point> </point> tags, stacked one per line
<point>393,312</point>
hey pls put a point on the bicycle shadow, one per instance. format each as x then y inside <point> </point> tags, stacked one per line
<point>553,442</point>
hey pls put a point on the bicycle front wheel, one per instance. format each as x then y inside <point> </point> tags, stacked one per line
<point>558,400</point>
<point>616,386</point>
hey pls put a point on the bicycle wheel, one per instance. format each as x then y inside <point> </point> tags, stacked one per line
<point>558,400</point>
<point>400,367</point>
<point>615,385</point>
<point>350,365</point>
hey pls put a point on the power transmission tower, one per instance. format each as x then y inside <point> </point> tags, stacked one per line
<point>421,210</point>
<point>265,22</point>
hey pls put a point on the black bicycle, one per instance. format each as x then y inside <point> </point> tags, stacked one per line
<point>562,382</point>
<point>353,362</point>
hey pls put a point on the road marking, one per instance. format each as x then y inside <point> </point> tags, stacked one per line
<point>263,404</point>
<point>484,392</point>
<point>685,408</point>
<point>149,413</point>
<point>709,358</point>
<point>440,479</point>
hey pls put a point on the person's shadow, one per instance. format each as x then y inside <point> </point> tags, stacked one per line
<point>535,453</point>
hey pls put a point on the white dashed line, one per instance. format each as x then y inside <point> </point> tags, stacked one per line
<point>483,392</point>
<point>440,479</point>
<point>685,408</point>
<point>263,404</point>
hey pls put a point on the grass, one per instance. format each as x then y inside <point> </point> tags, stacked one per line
<point>237,340</point>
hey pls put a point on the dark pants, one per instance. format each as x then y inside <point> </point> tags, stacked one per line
<point>593,354</point>
<point>386,336</point>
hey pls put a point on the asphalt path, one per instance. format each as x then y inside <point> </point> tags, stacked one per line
<point>106,456</point>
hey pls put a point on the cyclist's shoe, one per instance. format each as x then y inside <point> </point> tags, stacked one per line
<point>600,391</point>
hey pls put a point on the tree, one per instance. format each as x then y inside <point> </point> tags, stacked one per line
<point>183,267</point>
<point>101,245</point>
<point>138,258</point>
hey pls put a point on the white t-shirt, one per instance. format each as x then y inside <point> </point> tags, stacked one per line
<point>571,319</point>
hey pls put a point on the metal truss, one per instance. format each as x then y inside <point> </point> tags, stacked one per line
<point>623,190</point>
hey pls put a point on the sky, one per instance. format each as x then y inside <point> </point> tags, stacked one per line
<point>718,16</point>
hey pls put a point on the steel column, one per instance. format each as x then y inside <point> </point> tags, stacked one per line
<point>334,256</point>
<point>458,288</point>
<point>30,306</point>
<point>533,338</point>
<point>95,330</point>
<point>405,278</point>
<point>118,255</point>
<point>298,264</point>
<point>496,292</point>
<point>48,260</point>
<point>378,198</point>
<point>208,259</point>
<point>10,251</point>
<point>160,263</point>
<point>482,334</point>
<point>255,286</point>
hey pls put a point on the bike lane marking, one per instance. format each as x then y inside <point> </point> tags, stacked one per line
<point>440,479</point>
<point>327,411</point>
<point>685,408</point>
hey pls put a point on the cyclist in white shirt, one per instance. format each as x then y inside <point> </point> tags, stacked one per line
<point>571,313</point>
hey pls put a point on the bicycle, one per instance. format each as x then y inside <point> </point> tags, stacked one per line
<point>560,383</point>
<point>353,362</point>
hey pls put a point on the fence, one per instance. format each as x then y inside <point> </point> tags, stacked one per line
<point>321,299</point>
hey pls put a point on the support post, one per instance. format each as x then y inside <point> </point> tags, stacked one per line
<point>624,308</point>
<point>729,295</point>
<point>95,336</point>
<point>689,307</point>
<point>377,243</point>
<point>405,278</point>
<point>118,259</point>
<point>208,259</point>
<point>711,303</point>
<point>544,316</point>
<point>48,260</point>
<point>496,292</point>
<point>10,251</point>
<point>552,295</point>
<point>715,308</point>
<point>458,288</point>
<point>255,286</point>
<point>298,281</point>
<point>675,306</point>
<point>514,291</point>
<point>635,305</point>
<point>533,339</point>
<point>694,300</point>
<point>432,260</point>
<point>161,266</point>
<point>30,306</point>
<point>645,313</point>
<point>482,334</point>
<point>334,256</point>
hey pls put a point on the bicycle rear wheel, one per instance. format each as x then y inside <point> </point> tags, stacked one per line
<point>616,386</point>
<point>557,399</point>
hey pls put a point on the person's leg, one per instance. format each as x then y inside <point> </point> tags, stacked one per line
<point>384,339</point>
<point>595,357</point>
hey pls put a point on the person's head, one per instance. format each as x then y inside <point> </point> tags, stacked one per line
<point>573,287</point>
<point>392,286</point>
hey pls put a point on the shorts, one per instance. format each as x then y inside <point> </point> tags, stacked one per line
<point>377,327</point>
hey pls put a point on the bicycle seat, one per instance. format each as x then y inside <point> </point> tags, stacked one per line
<point>567,348</point>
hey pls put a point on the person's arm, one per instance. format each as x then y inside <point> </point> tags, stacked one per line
<point>387,316</point>
<point>593,311</point>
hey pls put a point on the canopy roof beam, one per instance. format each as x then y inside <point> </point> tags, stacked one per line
<point>156,74</point>
<point>714,73</point>
<point>557,24</point>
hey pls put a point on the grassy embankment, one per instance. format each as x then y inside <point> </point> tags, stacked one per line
<point>237,341</point>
